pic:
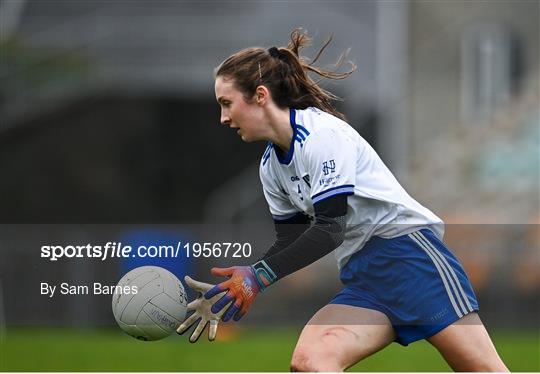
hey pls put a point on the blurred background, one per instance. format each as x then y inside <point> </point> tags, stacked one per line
<point>109,131</point>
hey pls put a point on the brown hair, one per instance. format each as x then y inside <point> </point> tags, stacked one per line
<point>285,73</point>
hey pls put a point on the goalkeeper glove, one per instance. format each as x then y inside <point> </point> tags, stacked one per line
<point>201,310</point>
<point>243,285</point>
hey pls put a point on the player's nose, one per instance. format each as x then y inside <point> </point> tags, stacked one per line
<point>225,120</point>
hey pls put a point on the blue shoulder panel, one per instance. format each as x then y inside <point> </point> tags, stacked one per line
<point>267,153</point>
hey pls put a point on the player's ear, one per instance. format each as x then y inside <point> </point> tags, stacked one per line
<point>262,94</point>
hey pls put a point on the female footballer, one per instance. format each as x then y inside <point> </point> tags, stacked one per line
<point>328,191</point>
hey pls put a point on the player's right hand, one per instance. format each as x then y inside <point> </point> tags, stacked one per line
<point>201,308</point>
<point>242,287</point>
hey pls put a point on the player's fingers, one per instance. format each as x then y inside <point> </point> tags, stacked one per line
<point>198,331</point>
<point>241,313</point>
<point>230,312</point>
<point>188,322</point>
<point>238,316</point>
<point>212,331</point>
<point>196,285</point>
<point>193,305</point>
<point>222,272</point>
<point>221,303</point>
<point>217,316</point>
<point>218,288</point>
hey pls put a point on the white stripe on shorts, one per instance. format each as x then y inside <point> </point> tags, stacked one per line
<point>444,266</point>
<point>437,252</point>
<point>441,273</point>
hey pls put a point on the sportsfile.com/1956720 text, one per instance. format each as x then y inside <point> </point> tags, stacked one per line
<point>119,250</point>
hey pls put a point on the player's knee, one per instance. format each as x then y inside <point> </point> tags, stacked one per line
<point>328,352</point>
<point>323,354</point>
<point>300,359</point>
<point>314,360</point>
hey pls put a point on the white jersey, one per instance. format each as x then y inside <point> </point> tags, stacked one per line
<point>328,157</point>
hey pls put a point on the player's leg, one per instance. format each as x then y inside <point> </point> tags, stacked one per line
<point>466,346</point>
<point>338,336</point>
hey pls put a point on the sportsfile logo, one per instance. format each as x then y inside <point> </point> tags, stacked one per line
<point>329,167</point>
<point>111,250</point>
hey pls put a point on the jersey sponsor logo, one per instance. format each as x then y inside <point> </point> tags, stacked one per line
<point>294,178</point>
<point>306,179</point>
<point>329,167</point>
<point>325,182</point>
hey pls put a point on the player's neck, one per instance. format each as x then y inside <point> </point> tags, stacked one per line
<point>282,131</point>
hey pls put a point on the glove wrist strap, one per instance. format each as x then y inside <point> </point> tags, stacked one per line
<point>264,275</point>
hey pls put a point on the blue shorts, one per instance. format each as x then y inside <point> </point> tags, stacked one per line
<point>413,279</point>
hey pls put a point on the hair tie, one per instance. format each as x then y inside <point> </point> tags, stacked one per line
<point>274,52</point>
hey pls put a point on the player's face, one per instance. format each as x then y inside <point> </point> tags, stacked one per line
<point>237,113</point>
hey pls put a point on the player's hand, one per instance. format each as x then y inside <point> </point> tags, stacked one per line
<point>201,307</point>
<point>242,288</point>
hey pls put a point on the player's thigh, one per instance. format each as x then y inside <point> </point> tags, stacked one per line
<point>342,334</point>
<point>466,346</point>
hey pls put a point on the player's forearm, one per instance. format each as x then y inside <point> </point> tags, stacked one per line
<point>322,238</point>
<point>287,231</point>
<point>286,234</point>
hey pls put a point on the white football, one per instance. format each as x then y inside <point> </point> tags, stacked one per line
<point>149,303</point>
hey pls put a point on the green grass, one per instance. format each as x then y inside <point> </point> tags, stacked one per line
<point>251,350</point>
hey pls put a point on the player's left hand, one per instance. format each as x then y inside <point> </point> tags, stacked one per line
<point>201,310</point>
<point>242,288</point>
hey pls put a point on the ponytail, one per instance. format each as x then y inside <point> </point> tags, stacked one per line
<point>285,73</point>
